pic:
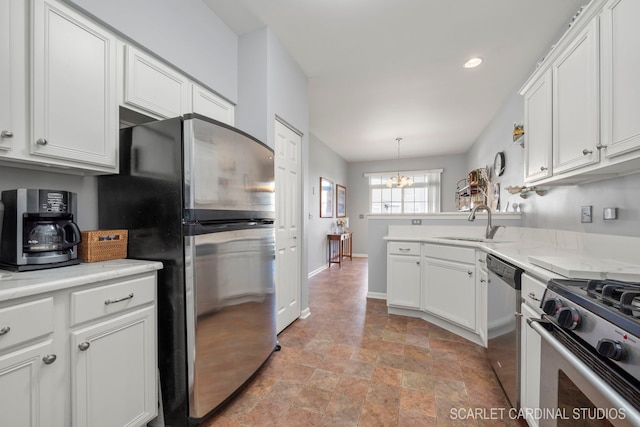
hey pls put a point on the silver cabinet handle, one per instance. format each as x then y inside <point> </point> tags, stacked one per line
<point>113,301</point>
<point>404,249</point>
<point>600,146</point>
<point>586,152</point>
<point>542,168</point>
<point>42,141</point>
<point>481,261</point>
<point>533,296</point>
<point>4,330</point>
<point>482,281</point>
<point>6,134</point>
<point>470,273</point>
<point>49,359</point>
<point>84,345</point>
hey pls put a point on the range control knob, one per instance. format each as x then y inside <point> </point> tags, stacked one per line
<point>551,306</point>
<point>611,349</point>
<point>568,317</point>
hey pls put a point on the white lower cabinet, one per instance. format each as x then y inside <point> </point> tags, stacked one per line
<point>403,274</point>
<point>113,374</point>
<point>532,291</point>
<point>448,278</point>
<point>26,385</point>
<point>80,357</point>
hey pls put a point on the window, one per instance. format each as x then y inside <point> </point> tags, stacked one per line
<point>422,197</point>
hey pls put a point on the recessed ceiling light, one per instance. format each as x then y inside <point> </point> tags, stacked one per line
<point>473,62</point>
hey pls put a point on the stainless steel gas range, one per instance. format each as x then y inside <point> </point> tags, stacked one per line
<point>590,369</point>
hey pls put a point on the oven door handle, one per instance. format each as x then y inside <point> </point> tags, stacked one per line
<point>602,387</point>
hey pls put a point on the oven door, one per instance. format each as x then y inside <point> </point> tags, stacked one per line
<point>572,393</point>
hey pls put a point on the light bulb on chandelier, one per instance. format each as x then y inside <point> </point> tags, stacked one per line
<point>399,180</point>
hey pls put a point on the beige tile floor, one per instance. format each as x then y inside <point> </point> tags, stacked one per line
<point>352,364</point>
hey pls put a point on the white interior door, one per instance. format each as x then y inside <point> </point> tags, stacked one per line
<point>287,164</point>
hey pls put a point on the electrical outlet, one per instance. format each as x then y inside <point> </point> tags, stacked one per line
<point>361,216</point>
<point>586,214</point>
<point>416,222</point>
<point>610,213</point>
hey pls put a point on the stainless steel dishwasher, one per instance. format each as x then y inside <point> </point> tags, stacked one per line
<point>503,325</point>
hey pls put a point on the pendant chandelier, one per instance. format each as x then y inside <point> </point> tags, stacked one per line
<point>399,180</point>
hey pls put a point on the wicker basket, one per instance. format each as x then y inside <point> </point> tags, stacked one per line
<point>103,245</point>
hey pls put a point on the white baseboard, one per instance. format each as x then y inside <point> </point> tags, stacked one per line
<point>360,255</point>
<point>318,270</point>
<point>305,313</point>
<point>376,295</point>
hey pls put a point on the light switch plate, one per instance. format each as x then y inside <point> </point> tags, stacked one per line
<point>586,213</point>
<point>416,222</point>
<point>610,213</point>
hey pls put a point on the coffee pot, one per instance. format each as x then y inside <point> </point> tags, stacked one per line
<point>51,236</point>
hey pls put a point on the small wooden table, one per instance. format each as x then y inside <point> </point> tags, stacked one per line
<point>340,246</point>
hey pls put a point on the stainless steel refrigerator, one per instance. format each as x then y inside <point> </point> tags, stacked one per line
<point>198,195</point>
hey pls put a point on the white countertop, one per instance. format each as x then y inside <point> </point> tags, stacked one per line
<point>561,253</point>
<point>27,283</point>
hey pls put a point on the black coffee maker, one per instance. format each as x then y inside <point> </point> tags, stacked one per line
<point>38,229</point>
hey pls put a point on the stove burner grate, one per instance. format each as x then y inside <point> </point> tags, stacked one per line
<point>623,296</point>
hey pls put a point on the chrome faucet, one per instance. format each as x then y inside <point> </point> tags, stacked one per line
<point>491,230</point>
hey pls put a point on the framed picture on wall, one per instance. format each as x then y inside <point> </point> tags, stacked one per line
<point>326,198</point>
<point>341,201</point>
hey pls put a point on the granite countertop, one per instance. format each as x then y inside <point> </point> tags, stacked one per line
<point>542,253</point>
<point>22,284</point>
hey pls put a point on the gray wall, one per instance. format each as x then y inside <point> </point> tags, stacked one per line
<point>185,33</point>
<point>323,162</point>
<point>272,85</point>
<point>454,168</point>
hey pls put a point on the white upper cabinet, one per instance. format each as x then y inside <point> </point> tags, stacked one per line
<point>620,67</point>
<point>575,103</point>
<point>13,75</point>
<point>154,87</point>
<point>74,104</point>
<point>537,122</point>
<point>594,102</point>
<point>211,105</point>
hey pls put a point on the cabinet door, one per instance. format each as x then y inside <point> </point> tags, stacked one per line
<point>75,114</point>
<point>620,65</point>
<point>114,371</point>
<point>403,283</point>
<point>576,103</point>
<point>481,305</point>
<point>154,86</point>
<point>211,105</point>
<point>530,365</point>
<point>13,75</point>
<point>449,291</point>
<point>538,133</point>
<point>26,386</point>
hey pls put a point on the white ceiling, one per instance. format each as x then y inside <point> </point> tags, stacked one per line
<point>383,69</point>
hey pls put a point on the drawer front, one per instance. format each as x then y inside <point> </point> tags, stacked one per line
<point>532,292</point>
<point>105,300</point>
<point>404,248</point>
<point>26,321</point>
<point>451,253</point>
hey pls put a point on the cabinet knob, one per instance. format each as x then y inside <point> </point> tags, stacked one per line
<point>470,273</point>
<point>49,359</point>
<point>4,330</point>
<point>6,134</point>
<point>586,152</point>
<point>600,146</point>
<point>533,296</point>
<point>483,281</point>
<point>417,262</point>
<point>42,141</point>
<point>542,168</point>
<point>84,345</point>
